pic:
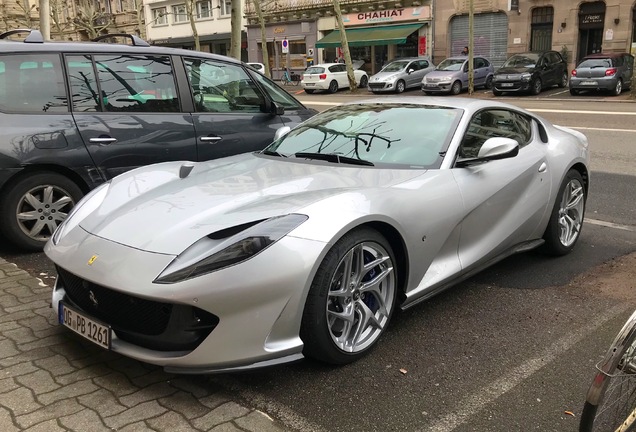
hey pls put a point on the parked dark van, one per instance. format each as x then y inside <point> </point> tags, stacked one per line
<point>75,114</point>
<point>606,72</point>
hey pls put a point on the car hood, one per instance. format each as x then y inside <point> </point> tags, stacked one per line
<point>153,209</point>
<point>514,70</point>
<point>382,76</point>
<point>442,74</point>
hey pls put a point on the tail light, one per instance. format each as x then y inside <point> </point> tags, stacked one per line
<point>574,72</point>
<point>322,76</point>
<point>610,71</point>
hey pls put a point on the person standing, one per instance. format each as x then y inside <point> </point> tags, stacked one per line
<point>465,51</point>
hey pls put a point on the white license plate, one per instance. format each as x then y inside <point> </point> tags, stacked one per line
<point>431,85</point>
<point>84,326</point>
<point>507,84</point>
<point>590,83</point>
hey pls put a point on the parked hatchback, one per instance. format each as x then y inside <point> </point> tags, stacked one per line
<point>607,72</point>
<point>451,75</point>
<point>75,114</point>
<point>531,72</point>
<point>400,75</point>
<point>331,77</point>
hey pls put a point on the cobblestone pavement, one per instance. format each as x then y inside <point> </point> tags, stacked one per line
<point>50,380</point>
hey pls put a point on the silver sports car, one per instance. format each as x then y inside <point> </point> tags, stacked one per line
<point>308,247</point>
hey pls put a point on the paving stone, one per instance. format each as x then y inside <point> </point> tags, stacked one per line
<point>152,392</point>
<point>19,401</point>
<point>89,372</point>
<point>156,375</point>
<point>49,412</point>
<point>38,382</point>
<point>103,402</point>
<point>185,404</point>
<point>76,389</point>
<point>215,400</point>
<point>192,385</point>
<point>226,412</point>
<point>138,413</point>
<point>39,343</point>
<point>56,364</point>
<point>85,420</point>
<point>36,323</point>
<point>258,421</point>
<point>21,335</point>
<point>16,316</point>
<point>23,368</point>
<point>8,300</point>
<point>6,421</point>
<point>30,306</point>
<point>8,348</point>
<point>8,326</point>
<point>46,426</point>
<point>225,427</point>
<point>11,285</point>
<point>28,356</point>
<point>136,427</point>
<point>116,383</point>
<point>171,422</point>
<point>7,384</point>
<point>130,368</point>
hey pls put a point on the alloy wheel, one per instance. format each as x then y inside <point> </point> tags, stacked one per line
<point>42,209</point>
<point>571,212</point>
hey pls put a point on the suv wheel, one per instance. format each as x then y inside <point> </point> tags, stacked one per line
<point>564,80</point>
<point>536,86</point>
<point>34,206</point>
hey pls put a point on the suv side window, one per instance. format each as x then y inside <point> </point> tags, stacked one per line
<point>222,87</point>
<point>137,83</point>
<point>84,90</point>
<point>32,83</point>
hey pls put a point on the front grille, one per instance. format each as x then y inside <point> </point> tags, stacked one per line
<point>147,323</point>
<point>378,86</point>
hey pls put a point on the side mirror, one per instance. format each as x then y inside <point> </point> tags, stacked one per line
<point>277,109</point>
<point>493,149</point>
<point>281,132</point>
<point>410,71</point>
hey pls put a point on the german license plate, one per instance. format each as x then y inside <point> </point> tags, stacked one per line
<point>84,326</point>
<point>506,84</point>
<point>588,83</point>
<point>431,85</point>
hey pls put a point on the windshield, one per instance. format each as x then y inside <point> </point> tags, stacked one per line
<point>315,70</point>
<point>595,63</point>
<point>528,60</point>
<point>450,65</point>
<point>395,66</point>
<point>375,133</point>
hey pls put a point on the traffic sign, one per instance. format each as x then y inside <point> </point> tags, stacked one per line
<point>285,44</point>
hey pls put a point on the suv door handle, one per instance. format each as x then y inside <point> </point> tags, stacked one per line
<point>103,140</point>
<point>210,138</point>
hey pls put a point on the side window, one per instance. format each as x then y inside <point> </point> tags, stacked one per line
<point>618,61</point>
<point>136,83</point>
<point>85,95</point>
<point>222,87</point>
<point>423,64</point>
<point>479,63</point>
<point>277,94</point>
<point>414,66</point>
<point>32,83</point>
<point>495,123</point>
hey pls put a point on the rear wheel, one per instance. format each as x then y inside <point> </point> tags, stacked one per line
<point>566,220</point>
<point>574,92</point>
<point>618,89</point>
<point>34,206</point>
<point>400,86</point>
<point>333,86</point>
<point>351,299</point>
<point>564,80</point>
<point>456,88</point>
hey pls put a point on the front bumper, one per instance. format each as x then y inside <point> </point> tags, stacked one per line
<point>511,86</point>
<point>252,310</point>
<point>442,87</point>
<point>315,85</point>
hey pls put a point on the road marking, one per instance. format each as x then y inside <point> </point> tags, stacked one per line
<point>610,225</point>
<point>546,110</point>
<point>479,400</point>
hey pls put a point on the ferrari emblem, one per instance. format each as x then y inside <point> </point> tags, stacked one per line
<point>92,260</point>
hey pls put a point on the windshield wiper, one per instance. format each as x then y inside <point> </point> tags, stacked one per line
<point>332,157</point>
<point>273,153</point>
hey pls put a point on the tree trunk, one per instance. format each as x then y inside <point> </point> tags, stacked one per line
<point>189,4</point>
<point>471,46</point>
<point>353,86</point>
<point>259,13</point>
<point>235,41</point>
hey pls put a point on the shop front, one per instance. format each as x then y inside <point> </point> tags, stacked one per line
<point>377,37</point>
<point>490,36</point>
<point>591,25</point>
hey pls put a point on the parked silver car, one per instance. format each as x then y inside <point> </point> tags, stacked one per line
<point>401,74</point>
<point>451,75</point>
<point>608,72</point>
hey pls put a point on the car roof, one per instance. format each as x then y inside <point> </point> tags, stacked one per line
<point>605,55</point>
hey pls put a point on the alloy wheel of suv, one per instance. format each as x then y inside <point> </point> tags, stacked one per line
<point>564,80</point>
<point>536,86</point>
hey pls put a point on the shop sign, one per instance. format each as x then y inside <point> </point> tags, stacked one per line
<point>279,30</point>
<point>388,16</point>
<point>592,18</point>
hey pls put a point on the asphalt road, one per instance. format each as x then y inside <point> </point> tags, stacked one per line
<point>512,349</point>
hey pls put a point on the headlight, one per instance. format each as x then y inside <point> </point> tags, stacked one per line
<point>86,206</point>
<point>497,77</point>
<point>526,76</point>
<point>212,253</point>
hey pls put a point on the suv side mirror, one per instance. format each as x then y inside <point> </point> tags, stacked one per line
<point>276,109</point>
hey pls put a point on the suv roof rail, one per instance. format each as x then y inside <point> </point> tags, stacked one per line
<point>34,35</point>
<point>136,40</point>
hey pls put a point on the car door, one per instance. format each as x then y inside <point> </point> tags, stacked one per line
<point>480,71</point>
<point>549,70</point>
<point>505,200</point>
<point>628,68</point>
<point>340,73</point>
<point>229,106</point>
<point>129,113</point>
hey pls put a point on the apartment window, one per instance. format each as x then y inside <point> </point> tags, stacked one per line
<point>120,6</point>
<point>179,13</point>
<point>226,7</point>
<point>159,16</point>
<point>204,9</point>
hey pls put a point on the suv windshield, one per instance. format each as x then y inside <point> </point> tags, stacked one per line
<point>528,60</point>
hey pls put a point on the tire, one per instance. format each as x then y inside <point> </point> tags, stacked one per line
<point>328,335</point>
<point>497,92</point>
<point>309,91</point>
<point>456,88</point>
<point>44,199</point>
<point>619,88</point>
<point>488,84</point>
<point>566,219</point>
<point>564,81</point>
<point>611,399</point>
<point>536,86</point>
<point>574,92</point>
<point>400,86</point>
<point>333,86</point>
<point>364,81</point>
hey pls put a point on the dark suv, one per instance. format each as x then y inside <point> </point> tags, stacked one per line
<point>609,72</point>
<point>73,115</point>
<point>531,72</point>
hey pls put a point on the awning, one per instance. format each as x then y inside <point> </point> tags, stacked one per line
<point>366,36</point>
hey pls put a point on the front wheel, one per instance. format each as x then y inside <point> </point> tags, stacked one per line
<point>363,82</point>
<point>574,92</point>
<point>566,219</point>
<point>333,86</point>
<point>610,404</point>
<point>34,206</point>
<point>400,87</point>
<point>456,88</point>
<point>536,86</point>
<point>488,84</point>
<point>496,92</point>
<point>351,298</point>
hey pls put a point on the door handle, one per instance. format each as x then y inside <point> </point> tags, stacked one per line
<point>543,167</point>
<point>102,140</point>
<point>210,138</point>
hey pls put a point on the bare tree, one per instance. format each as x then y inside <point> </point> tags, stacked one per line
<point>91,19</point>
<point>259,13</point>
<point>191,10</point>
<point>139,12</point>
<point>60,25</point>
<point>235,22</point>
<point>345,47</point>
<point>24,19</point>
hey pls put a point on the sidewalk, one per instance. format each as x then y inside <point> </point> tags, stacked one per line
<point>50,380</point>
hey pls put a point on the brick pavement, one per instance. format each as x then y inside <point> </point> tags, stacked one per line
<point>50,380</point>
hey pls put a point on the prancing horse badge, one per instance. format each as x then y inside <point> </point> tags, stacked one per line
<point>92,260</point>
